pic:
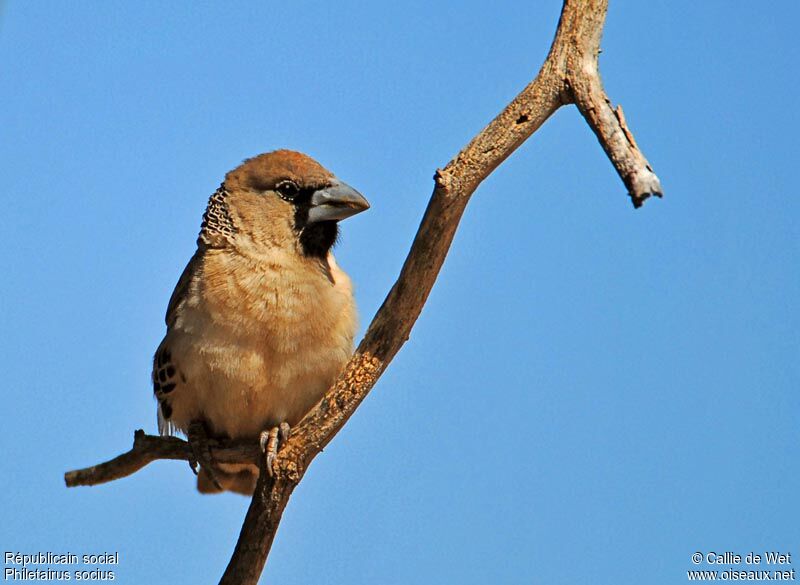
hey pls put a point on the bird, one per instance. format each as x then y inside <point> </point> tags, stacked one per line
<point>262,319</point>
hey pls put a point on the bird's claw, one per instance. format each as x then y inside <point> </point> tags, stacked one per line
<point>270,441</point>
<point>200,451</point>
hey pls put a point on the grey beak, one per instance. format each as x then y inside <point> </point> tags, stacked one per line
<point>339,201</point>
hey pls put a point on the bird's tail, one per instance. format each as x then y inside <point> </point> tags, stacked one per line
<point>241,482</point>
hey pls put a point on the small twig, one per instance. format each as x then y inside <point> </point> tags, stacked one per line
<point>617,140</point>
<point>149,448</point>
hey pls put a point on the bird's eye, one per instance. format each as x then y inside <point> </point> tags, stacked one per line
<point>288,190</point>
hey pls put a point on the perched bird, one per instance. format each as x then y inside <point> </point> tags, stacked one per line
<point>262,319</point>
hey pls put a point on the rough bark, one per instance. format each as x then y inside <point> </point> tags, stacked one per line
<point>569,75</point>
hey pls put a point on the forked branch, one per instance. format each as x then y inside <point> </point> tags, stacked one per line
<point>569,75</point>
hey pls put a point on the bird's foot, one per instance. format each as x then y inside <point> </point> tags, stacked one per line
<point>270,441</point>
<point>200,451</point>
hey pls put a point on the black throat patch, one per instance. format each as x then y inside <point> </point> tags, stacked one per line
<point>316,239</point>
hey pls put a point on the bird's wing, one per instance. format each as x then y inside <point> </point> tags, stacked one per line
<point>182,288</point>
<point>165,372</point>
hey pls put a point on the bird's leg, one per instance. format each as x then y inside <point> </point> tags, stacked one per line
<point>270,441</point>
<point>201,453</point>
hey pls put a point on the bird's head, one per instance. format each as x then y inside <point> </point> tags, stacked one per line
<point>281,198</point>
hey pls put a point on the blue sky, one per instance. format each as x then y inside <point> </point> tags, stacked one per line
<point>591,394</point>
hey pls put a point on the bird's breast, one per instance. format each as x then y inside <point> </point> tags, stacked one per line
<point>260,341</point>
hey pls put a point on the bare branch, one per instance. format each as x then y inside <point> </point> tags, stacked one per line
<point>568,75</point>
<point>583,79</point>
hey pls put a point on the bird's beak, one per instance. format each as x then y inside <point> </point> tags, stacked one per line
<point>339,201</point>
